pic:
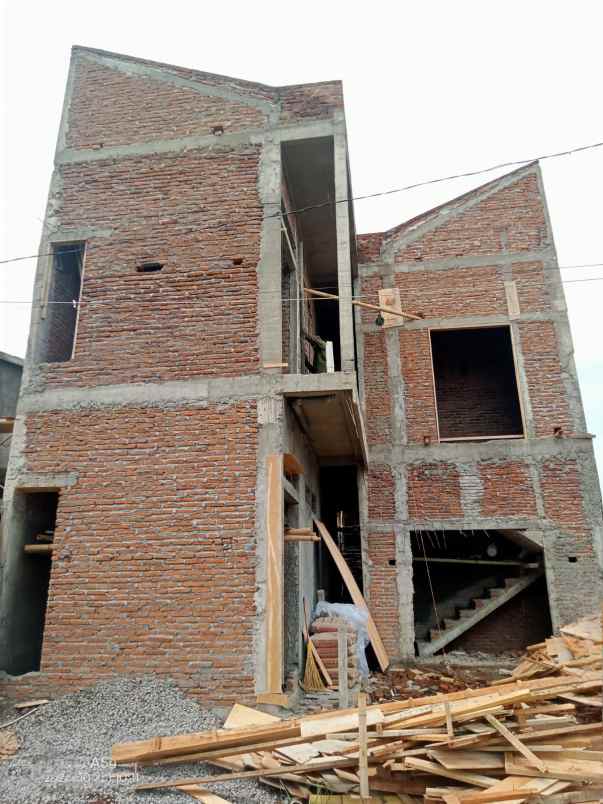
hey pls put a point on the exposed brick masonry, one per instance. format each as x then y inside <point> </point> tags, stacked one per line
<point>154,563</point>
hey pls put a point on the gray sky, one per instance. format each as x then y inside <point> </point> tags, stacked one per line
<point>431,89</point>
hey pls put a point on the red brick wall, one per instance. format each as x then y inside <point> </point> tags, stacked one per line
<point>110,108</point>
<point>481,228</point>
<point>507,489</point>
<point>196,212</point>
<point>383,595</point>
<point>376,389</point>
<point>545,379</point>
<point>310,100</point>
<point>434,491</point>
<point>154,560</point>
<point>381,492</point>
<point>417,375</point>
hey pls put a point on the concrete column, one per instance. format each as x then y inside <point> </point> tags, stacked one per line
<point>270,311</point>
<point>344,261</point>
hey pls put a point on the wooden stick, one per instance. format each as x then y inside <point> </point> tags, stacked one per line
<point>342,668</point>
<point>449,725</point>
<point>304,767</point>
<point>368,306</point>
<point>362,754</point>
<point>516,743</point>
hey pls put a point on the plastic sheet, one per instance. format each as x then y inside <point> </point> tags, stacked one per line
<point>358,618</point>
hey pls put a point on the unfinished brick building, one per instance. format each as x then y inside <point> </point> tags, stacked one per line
<point>185,400</point>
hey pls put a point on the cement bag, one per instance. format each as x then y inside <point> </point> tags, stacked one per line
<point>356,617</point>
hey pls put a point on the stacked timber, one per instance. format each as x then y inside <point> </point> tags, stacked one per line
<point>517,741</point>
<point>576,650</point>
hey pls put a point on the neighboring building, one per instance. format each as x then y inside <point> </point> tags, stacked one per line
<point>11,368</point>
<point>182,405</point>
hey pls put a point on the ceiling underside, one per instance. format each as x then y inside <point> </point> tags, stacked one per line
<point>309,172</point>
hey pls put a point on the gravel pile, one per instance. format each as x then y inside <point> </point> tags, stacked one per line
<point>66,750</point>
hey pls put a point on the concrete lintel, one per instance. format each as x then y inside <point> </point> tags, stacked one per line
<point>45,481</point>
<point>70,156</point>
<point>520,448</point>
<point>310,129</point>
<point>308,384</point>
<point>459,322</point>
<point>202,390</point>
<point>66,234</point>
<point>380,267</point>
<point>479,523</point>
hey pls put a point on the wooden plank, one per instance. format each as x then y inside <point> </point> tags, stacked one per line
<point>301,537</point>
<point>342,668</point>
<point>338,721</point>
<point>362,752</point>
<point>467,760</point>
<point>515,742</point>
<point>512,788</point>
<point>573,770</point>
<point>355,594</point>
<point>28,704</point>
<point>390,297</point>
<point>272,698</point>
<point>587,628</point>
<point>38,549</point>
<point>273,645</point>
<point>437,770</point>
<point>305,768</point>
<point>241,716</point>
<point>584,700</point>
<point>275,365</point>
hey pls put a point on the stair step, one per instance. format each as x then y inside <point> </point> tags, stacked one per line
<point>509,582</point>
<point>450,623</point>
<point>496,591</point>
<point>465,613</point>
<point>435,634</point>
<point>478,602</point>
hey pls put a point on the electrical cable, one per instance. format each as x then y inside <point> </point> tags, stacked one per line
<point>416,185</point>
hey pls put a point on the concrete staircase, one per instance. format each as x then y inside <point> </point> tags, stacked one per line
<point>493,598</point>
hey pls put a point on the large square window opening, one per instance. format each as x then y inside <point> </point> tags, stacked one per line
<point>63,298</point>
<point>475,384</point>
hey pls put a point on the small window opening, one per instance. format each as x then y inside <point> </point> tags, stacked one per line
<point>475,384</point>
<point>572,559</point>
<point>63,296</point>
<point>149,267</point>
<point>36,521</point>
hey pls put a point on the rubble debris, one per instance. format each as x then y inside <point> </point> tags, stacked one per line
<point>514,739</point>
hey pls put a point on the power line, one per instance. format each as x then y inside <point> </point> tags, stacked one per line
<point>165,298</point>
<point>416,185</point>
<point>468,174</point>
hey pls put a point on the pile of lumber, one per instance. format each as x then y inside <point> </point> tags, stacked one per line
<point>516,741</point>
<point>578,649</point>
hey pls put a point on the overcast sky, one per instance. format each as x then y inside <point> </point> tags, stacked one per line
<point>431,89</point>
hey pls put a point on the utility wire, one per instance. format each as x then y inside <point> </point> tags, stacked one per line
<point>467,174</point>
<point>166,298</point>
